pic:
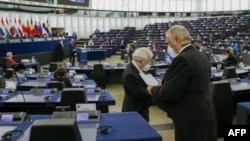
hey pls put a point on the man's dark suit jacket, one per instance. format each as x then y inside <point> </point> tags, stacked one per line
<point>66,81</point>
<point>136,96</point>
<point>59,52</point>
<point>185,95</point>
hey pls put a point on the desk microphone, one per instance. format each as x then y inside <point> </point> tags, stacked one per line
<point>24,100</point>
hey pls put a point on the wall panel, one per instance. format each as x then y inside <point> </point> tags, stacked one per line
<point>219,5</point>
<point>227,5</point>
<point>244,5</point>
<point>236,4</point>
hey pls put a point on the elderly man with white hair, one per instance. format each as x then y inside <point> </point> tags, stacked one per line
<point>136,95</point>
<point>185,90</point>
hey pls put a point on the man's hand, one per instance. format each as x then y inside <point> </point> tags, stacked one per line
<point>149,90</point>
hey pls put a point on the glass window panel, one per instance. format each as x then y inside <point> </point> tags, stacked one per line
<point>132,5</point>
<point>210,5</point>
<point>113,23</point>
<point>106,24</point>
<point>145,5</point>
<point>94,24</point>
<point>60,20</point>
<point>195,4</point>
<point>124,3</point>
<point>81,28</point>
<point>187,5</point>
<point>172,5</point>
<point>52,22</point>
<point>138,5</point>
<point>179,5</point>
<point>138,22</point>
<point>244,5</point>
<point>68,26</point>
<point>107,5</point>
<point>132,22</point>
<point>118,5</point>
<point>219,5</point>
<point>153,4</point>
<point>100,24</point>
<point>227,5</point>
<point>88,27</point>
<point>101,4</point>
<point>203,5</point>
<point>159,5</point>
<point>166,5</point>
<point>94,4</point>
<point>124,22</point>
<point>74,24</point>
<point>235,4</point>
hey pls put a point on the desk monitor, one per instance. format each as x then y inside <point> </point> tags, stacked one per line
<point>55,130</point>
<point>12,117</point>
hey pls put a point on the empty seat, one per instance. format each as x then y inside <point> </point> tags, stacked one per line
<point>98,75</point>
<point>72,96</point>
<point>229,72</point>
<point>223,103</point>
<point>53,66</point>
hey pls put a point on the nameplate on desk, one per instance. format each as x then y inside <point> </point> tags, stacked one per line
<point>93,90</point>
<point>12,117</point>
<point>88,116</point>
<point>45,91</point>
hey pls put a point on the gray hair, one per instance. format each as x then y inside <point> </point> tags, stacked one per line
<point>142,53</point>
<point>178,31</point>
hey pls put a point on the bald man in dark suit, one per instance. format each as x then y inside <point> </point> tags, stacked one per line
<point>185,91</point>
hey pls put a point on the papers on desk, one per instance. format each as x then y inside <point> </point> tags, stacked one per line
<point>149,79</point>
<point>10,85</point>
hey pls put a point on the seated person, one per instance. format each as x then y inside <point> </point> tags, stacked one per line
<point>91,42</point>
<point>158,57</point>
<point>230,58</point>
<point>61,76</point>
<point>103,45</point>
<point>155,47</point>
<point>196,45</point>
<point>10,60</point>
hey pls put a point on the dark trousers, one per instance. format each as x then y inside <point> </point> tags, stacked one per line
<point>72,58</point>
<point>59,56</point>
<point>194,130</point>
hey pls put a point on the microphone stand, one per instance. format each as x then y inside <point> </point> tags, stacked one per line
<point>24,100</point>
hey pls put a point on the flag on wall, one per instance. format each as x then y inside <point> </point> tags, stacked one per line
<point>13,29</point>
<point>46,27</point>
<point>20,27</point>
<point>39,28</point>
<point>31,27</point>
<point>7,27</point>
<point>2,31</point>
<point>27,27</point>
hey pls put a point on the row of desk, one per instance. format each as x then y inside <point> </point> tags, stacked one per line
<point>128,126</point>
<point>39,104</point>
<point>112,73</point>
